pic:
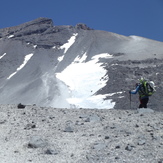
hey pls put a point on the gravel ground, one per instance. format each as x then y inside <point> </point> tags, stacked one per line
<point>49,135</point>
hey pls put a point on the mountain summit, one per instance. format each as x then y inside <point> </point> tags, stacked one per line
<point>75,66</point>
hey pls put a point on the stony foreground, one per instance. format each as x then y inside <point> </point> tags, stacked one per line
<point>47,135</point>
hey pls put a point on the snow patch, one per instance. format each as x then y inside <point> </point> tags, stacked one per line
<point>82,59</point>
<point>48,89</point>
<point>84,80</point>
<point>111,94</point>
<point>103,55</point>
<point>2,55</point>
<point>71,41</point>
<point>26,59</point>
<point>35,46</point>
<point>60,58</point>
<point>136,38</point>
<point>10,36</point>
<point>114,64</point>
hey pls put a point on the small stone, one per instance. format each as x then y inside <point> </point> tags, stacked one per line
<point>99,146</point>
<point>83,116</point>
<point>2,122</point>
<point>112,127</point>
<point>141,142</point>
<point>69,126</point>
<point>16,151</point>
<point>149,130</point>
<point>107,137</point>
<point>129,147</point>
<point>136,125</point>
<point>36,142</point>
<point>68,129</point>
<point>79,123</point>
<point>94,118</point>
<point>117,147</point>
<point>128,133</point>
<point>21,106</point>
<point>33,126</point>
<point>51,152</point>
<point>87,120</point>
<point>30,126</point>
<point>117,158</point>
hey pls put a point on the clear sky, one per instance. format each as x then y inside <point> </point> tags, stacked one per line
<point>127,17</point>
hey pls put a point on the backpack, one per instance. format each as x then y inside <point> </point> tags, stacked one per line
<point>147,88</point>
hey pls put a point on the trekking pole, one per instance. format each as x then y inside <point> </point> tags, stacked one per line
<point>130,101</point>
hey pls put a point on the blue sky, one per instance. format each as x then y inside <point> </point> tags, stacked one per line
<point>126,17</point>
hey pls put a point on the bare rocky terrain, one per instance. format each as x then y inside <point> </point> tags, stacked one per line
<point>49,135</point>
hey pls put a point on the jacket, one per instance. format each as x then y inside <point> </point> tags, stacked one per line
<point>139,90</point>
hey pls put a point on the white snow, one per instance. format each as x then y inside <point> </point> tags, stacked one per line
<point>60,58</point>
<point>137,38</point>
<point>26,59</point>
<point>84,80</point>
<point>35,46</point>
<point>111,94</point>
<point>82,59</point>
<point>10,36</point>
<point>2,55</point>
<point>103,55</point>
<point>48,89</point>
<point>71,41</point>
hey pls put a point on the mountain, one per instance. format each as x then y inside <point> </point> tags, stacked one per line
<point>75,66</point>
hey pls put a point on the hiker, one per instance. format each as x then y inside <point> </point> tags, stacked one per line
<point>145,90</point>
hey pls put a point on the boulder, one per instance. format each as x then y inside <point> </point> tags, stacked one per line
<point>37,142</point>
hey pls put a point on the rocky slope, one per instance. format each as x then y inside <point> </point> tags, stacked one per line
<point>47,135</point>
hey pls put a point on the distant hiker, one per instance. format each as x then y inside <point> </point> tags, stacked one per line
<point>145,89</point>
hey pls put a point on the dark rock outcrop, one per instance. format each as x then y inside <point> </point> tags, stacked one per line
<point>82,26</point>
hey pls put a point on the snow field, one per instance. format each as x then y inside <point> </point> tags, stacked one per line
<point>84,79</point>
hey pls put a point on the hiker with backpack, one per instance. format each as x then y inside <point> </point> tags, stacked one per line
<point>145,89</point>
